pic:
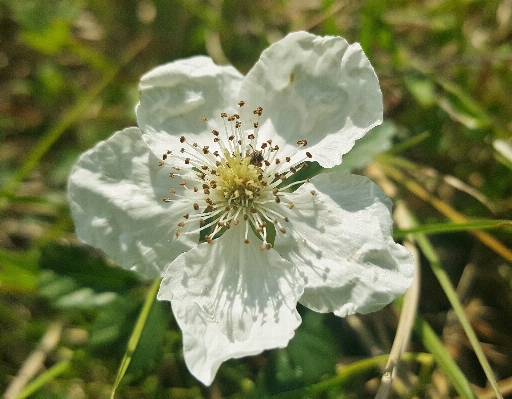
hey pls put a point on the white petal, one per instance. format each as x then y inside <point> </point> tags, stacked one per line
<point>176,96</point>
<point>341,241</point>
<point>314,88</point>
<point>231,300</point>
<point>115,192</point>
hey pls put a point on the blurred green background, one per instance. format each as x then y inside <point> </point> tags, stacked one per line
<point>69,71</point>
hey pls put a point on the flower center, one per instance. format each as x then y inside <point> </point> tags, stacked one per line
<point>238,182</point>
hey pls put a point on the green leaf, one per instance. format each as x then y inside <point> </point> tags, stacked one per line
<point>313,349</point>
<point>75,278</point>
<point>374,142</point>
<point>18,271</point>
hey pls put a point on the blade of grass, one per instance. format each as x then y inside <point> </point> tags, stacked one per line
<point>50,374</point>
<point>444,208</point>
<point>451,227</point>
<point>136,333</point>
<point>413,141</point>
<point>350,372</point>
<point>449,290</point>
<point>70,117</point>
<point>443,358</point>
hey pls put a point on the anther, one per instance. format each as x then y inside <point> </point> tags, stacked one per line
<point>160,163</point>
<point>313,192</point>
<point>166,199</point>
<point>196,206</point>
<point>302,143</point>
<point>164,157</point>
<point>183,183</point>
<point>181,224</point>
<point>182,139</point>
<point>308,154</point>
<point>204,119</point>
<point>282,230</point>
<point>241,103</point>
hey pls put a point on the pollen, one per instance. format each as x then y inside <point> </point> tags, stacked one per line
<point>235,180</point>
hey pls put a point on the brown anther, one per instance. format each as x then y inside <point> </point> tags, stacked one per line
<point>204,167</point>
<point>291,205</point>
<point>172,191</point>
<point>278,200</point>
<point>160,163</point>
<point>255,124</point>
<point>183,183</point>
<point>278,161</point>
<point>308,154</point>
<point>209,201</point>
<point>235,222</point>
<point>228,225</point>
<point>313,192</point>
<point>164,157</point>
<point>195,145</point>
<point>258,111</point>
<point>206,191</point>
<point>267,163</point>
<point>196,206</point>
<point>282,230</point>
<point>246,216</point>
<point>216,153</point>
<point>169,152</point>
<point>236,116</point>
<point>166,199</point>
<point>185,215</point>
<point>205,150</point>
<point>254,210</point>
<point>205,185</point>
<point>182,139</point>
<point>292,169</point>
<point>286,219</point>
<point>171,175</point>
<point>251,136</point>
<point>177,233</point>
<point>303,165</point>
<point>220,224</point>
<point>187,161</point>
<point>205,119</point>
<point>231,118</point>
<point>241,103</point>
<point>263,247</point>
<point>238,124</point>
<point>182,150</point>
<point>263,145</point>
<point>246,241</point>
<point>201,221</point>
<point>302,142</point>
<point>223,115</point>
<point>215,132</point>
<point>288,159</point>
<point>268,245</point>
<point>231,138</point>
<point>195,189</point>
<point>181,224</point>
<point>227,208</point>
<point>282,177</point>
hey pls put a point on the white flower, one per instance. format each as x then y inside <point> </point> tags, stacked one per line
<point>215,157</point>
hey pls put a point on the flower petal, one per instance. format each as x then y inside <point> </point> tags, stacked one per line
<point>314,88</point>
<point>341,241</point>
<point>231,300</point>
<point>115,192</point>
<point>176,96</point>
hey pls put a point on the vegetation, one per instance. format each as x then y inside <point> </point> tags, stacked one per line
<point>69,71</point>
